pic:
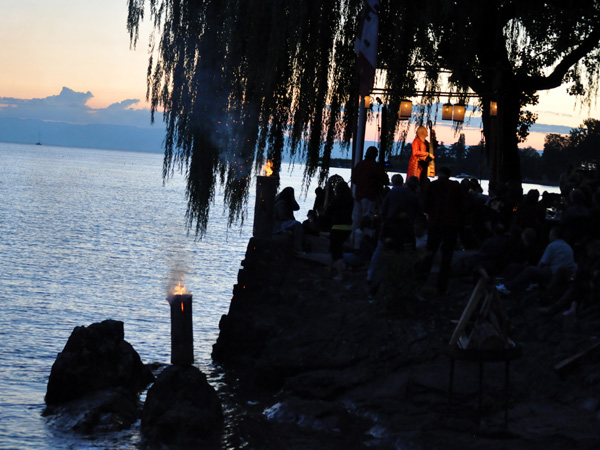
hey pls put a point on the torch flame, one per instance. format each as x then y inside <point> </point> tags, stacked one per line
<point>179,289</point>
<point>268,168</point>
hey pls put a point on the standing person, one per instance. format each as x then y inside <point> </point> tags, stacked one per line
<point>398,212</point>
<point>368,177</point>
<point>319,204</point>
<point>420,156</point>
<point>444,205</point>
<point>340,212</point>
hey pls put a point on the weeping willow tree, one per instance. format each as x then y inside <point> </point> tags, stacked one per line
<point>243,80</point>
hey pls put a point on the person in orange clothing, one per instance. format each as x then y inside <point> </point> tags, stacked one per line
<point>420,155</point>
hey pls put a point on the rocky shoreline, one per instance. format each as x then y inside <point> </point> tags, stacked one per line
<point>317,362</point>
<point>305,361</point>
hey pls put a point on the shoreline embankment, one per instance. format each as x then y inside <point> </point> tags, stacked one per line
<point>320,362</point>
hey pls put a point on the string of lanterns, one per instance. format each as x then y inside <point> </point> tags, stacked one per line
<point>449,111</point>
<point>454,112</point>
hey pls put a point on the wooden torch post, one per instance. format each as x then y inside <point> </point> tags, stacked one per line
<point>182,339</point>
<point>263,207</point>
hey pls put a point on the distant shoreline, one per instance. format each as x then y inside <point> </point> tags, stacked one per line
<point>81,147</point>
<point>347,164</point>
<point>336,163</point>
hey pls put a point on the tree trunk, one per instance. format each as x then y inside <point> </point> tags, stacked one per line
<point>501,139</point>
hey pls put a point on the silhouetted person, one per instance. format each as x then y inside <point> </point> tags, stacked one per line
<point>311,224</point>
<point>575,218</point>
<point>530,212</point>
<point>319,204</point>
<point>340,212</point>
<point>444,205</point>
<point>369,178</point>
<point>556,265</point>
<point>285,205</point>
<point>398,211</point>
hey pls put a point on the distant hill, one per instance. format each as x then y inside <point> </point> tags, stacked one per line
<point>112,137</point>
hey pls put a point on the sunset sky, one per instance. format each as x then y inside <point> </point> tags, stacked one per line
<point>84,46</point>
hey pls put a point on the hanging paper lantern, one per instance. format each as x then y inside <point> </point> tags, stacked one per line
<point>405,110</point>
<point>447,111</point>
<point>493,108</point>
<point>458,114</point>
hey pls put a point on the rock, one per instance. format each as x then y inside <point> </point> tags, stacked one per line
<point>96,358</point>
<point>95,381</point>
<point>102,411</point>
<point>326,383</point>
<point>316,416</point>
<point>181,410</point>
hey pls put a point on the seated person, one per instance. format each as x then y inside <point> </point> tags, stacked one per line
<point>491,257</point>
<point>285,205</point>
<point>311,224</point>
<point>556,265</point>
<point>584,286</point>
<point>504,253</point>
<point>575,218</point>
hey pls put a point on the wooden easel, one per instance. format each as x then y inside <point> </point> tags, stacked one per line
<point>459,347</point>
<point>480,324</point>
<point>458,336</point>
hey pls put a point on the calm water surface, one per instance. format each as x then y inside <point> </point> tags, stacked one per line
<point>88,235</point>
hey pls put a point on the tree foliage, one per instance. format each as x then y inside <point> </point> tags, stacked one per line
<point>507,51</point>
<point>581,146</point>
<point>241,80</point>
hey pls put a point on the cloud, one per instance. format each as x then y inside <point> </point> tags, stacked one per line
<point>545,128</point>
<point>71,107</point>
<point>66,98</point>
<point>558,114</point>
<point>125,104</point>
<point>123,113</point>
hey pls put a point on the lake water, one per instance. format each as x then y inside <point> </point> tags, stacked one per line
<point>88,235</point>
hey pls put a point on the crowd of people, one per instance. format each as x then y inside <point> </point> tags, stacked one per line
<point>548,242</point>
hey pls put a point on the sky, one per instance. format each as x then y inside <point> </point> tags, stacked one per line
<point>71,61</point>
<point>82,45</point>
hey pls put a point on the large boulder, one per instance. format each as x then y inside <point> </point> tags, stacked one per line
<point>96,358</point>
<point>95,381</point>
<point>181,410</point>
